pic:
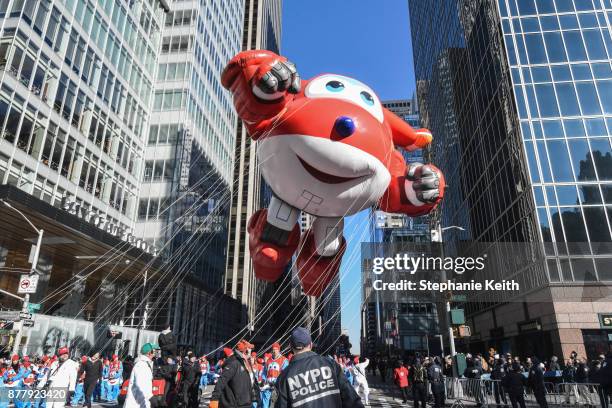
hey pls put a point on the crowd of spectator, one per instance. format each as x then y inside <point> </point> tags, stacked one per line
<point>506,377</point>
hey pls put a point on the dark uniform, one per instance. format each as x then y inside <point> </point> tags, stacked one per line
<point>418,376</point>
<point>569,374</point>
<point>605,381</point>
<point>312,381</point>
<point>167,343</point>
<point>166,372</point>
<point>513,383</point>
<point>536,382</point>
<point>498,373</point>
<point>436,378</point>
<point>582,373</point>
<point>474,371</point>
<point>190,374</point>
<point>382,367</point>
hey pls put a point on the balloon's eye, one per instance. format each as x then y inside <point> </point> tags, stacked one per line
<point>367,98</point>
<point>334,86</point>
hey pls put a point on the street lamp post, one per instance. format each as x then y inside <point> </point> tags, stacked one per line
<point>26,297</point>
<point>436,236</point>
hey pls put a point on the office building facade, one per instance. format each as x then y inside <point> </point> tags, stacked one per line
<point>517,95</point>
<point>76,80</point>
<point>261,30</point>
<point>187,168</point>
<point>113,113</point>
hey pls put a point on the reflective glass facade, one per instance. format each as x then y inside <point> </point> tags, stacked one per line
<point>517,95</point>
<point>559,53</point>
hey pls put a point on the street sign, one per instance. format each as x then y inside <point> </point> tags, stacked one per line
<point>27,284</point>
<point>28,323</point>
<point>24,315</point>
<point>605,320</point>
<point>33,307</point>
<point>457,316</point>
<point>10,315</point>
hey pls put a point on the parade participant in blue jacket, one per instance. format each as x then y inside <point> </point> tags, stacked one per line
<point>104,385</point>
<point>204,371</point>
<point>115,376</point>
<point>79,390</point>
<point>27,383</point>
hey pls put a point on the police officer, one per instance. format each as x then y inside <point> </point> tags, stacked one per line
<point>418,376</point>
<point>605,381</point>
<point>513,383</point>
<point>436,378</point>
<point>474,371</point>
<point>312,381</point>
<point>536,382</point>
<point>498,374</point>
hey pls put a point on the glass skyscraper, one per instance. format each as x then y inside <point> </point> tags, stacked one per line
<point>76,81</point>
<point>559,55</point>
<point>113,112</point>
<point>188,175</point>
<point>262,30</point>
<point>518,95</point>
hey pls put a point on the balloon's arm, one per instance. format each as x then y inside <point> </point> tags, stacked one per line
<point>414,190</point>
<point>261,83</point>
<point>404,135</point>
<point>394,201</point>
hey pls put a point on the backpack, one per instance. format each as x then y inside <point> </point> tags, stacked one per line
<point>419,374</point>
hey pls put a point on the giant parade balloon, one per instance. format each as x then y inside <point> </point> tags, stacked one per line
<point>326,147</point>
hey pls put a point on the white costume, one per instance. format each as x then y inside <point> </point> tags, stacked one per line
<point>140,390</point>
<point>360,380</point>
<point>63,375</point>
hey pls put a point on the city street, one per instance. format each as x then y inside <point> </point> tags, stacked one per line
<point>381,395</point>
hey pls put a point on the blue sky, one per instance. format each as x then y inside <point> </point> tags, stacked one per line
<point>364,40</point>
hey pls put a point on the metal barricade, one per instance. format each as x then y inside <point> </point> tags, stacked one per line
<point>549,395</point>
<point>461,392</point>
<point>470,391</point>
<point>579,394</point>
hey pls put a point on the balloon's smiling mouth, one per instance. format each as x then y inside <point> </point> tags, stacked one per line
<point>325,177</point>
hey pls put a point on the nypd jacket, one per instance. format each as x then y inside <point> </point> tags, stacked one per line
<point>312,381</point>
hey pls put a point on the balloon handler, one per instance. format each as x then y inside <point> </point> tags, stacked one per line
<point>326,146</point>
